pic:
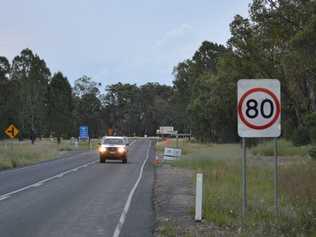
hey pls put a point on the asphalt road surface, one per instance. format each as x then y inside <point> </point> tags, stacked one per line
<point>78,196</point>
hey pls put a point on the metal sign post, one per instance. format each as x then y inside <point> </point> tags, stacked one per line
<point>259,115</point>
<point>276,178</point>
<point>244,177</point>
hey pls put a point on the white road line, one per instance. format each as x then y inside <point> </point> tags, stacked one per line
<point>37,184</point>
<point>41,182</point>
<point>130,197</point>
<point>43,162</point>
<point>4,197</point>
<point>132,143</point>
<point>61,175</point>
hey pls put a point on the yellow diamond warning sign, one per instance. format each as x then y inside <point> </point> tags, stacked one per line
<point>12,131</point>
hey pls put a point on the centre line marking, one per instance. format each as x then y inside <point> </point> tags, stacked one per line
<point>41,182</point>
<point>130,197</point>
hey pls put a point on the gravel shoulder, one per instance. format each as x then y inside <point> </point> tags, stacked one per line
<point>174,204</point>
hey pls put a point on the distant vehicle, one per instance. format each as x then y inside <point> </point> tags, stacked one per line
<point>113,148</point>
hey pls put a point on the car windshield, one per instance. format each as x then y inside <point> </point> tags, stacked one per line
<point>113,141</point>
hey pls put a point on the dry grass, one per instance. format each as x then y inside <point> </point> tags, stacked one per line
<point>15,154</point>
<point>218,151</point>
<point>286,148</point>
<point>221,166</point>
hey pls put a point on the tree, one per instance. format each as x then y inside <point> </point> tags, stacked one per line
<point>4,68</point>
<point>157,107</point>
<point>85,85</point>
<point>206,57</point>
<point>123,107</point>
<point>88,110</point>
<point>195,87</point>
<point>4,94</point>
<point>60,106</point>
<point>30,76</point>
<point>87,106</point>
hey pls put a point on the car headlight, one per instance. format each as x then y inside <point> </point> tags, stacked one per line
<point>102,149</point>
<point>121,150</point>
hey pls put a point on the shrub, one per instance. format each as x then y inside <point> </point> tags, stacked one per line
<point>310,120</point>
<point>312,152</point>
<point>301,136</point>
<point>312,133</point>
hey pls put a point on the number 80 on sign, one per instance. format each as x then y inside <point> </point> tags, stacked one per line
<point>259,108</point>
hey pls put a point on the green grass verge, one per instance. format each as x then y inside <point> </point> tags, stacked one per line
<point>14,154</point>
<point>219,151</point>
<point>168,230</point>
<point>285,148</point>
<point>221,167</point>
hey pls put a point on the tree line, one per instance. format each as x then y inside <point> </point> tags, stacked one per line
<point>36,101</point>
<point>277,41</point>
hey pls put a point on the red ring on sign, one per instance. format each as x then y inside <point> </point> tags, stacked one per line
<point>276,102</point>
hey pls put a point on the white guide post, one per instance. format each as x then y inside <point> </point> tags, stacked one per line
<point>198,197</point>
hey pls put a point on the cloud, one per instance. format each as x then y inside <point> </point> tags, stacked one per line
<point>174,35</point>
<point>157,62</point>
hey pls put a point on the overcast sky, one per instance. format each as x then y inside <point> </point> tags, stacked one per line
<point>114,41</point>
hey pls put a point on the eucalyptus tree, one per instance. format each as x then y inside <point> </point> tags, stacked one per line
<point>60,106</point>
<point>30,76</point>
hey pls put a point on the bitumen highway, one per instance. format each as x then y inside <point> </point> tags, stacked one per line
<point>78,196</point>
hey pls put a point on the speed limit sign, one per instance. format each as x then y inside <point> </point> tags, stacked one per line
<point>259,108</point>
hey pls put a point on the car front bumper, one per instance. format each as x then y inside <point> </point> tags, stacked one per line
<point>113,155</point>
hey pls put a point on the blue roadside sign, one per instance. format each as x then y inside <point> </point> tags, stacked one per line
<point>84,132</point>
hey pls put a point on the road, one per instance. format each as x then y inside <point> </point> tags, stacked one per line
<point>78,196</point>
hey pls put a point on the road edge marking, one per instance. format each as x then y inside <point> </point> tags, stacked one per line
<point>127,205</point>
<point>41,182</point>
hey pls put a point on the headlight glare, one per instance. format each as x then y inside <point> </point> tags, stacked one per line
<point>121,150</point>
<point>102,149</point>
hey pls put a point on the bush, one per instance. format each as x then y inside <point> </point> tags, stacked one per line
<point>301,136</point>
<point>310,120</point>
<point>312,152</point>
<point>312,133</point>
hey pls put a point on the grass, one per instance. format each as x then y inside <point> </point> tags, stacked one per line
<point>285,148</point>
<point>168,230</point>
<point>14,154</point>
<point>172,143</point>
<point>220,164</point>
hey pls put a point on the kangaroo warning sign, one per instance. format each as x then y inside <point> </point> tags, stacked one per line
<point>259,108</point>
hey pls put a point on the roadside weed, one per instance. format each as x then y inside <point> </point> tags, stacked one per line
<point>220,165</point>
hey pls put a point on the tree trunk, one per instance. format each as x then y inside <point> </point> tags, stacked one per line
<point>311,93</point>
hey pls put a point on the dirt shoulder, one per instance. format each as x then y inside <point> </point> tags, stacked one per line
<point>174,204</point>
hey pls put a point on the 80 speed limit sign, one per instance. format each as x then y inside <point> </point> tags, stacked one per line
<point>259,108</point>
